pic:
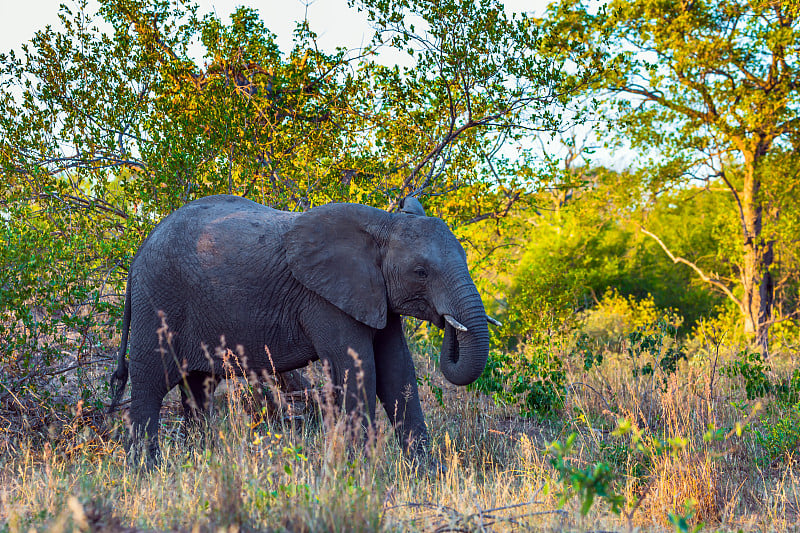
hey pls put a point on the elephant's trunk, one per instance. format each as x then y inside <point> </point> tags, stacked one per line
<point>464,353</point>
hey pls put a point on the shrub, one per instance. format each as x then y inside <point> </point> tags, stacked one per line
<point>532,378</point>
<point>780,437</point>
<point>616,317</point>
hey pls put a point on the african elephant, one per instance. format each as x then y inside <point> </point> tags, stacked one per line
<point>291,288</point>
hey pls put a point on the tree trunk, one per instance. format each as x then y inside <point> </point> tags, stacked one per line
<point>757,282</point>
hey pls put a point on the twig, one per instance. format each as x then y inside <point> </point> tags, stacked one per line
<point>572,385</point>
<point>73,367</point>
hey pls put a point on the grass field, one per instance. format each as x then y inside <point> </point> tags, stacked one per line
<point>673,451</point>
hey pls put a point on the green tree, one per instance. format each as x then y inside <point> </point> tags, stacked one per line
<point>475,93</point>
<point>576,249</point>
<point>103,132</point>
<point>713,88</point>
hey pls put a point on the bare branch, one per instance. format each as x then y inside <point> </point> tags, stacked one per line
<point>500,213</point>
<point>705,277</point>
<point>791,316</point>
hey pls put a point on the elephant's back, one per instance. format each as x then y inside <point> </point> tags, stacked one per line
<point>216,267</point>
<point>216,226</point>
<point>211,242</point>
<point>226,212</point>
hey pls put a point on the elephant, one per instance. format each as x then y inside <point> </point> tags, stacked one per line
<point>288,289</point>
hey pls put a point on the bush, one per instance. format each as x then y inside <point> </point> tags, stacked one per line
<point>616,317</point>
<point>780,437</point>
<point>532,378</point>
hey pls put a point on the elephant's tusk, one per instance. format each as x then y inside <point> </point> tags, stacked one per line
<point>494,321</point>
<point>455,323</point>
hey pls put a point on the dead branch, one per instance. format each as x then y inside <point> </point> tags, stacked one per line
<point>705,277</point>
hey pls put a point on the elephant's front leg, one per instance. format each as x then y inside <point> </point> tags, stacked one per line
<point>397,387</point>
<point>348,352</point>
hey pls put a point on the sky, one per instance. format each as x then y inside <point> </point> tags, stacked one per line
<point>335,23</point>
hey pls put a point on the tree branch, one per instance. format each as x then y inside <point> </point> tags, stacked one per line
<point>790,316</point>
<point>703,275</point>
<point>733,190</point>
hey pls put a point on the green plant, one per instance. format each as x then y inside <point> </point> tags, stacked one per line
<point>753,369</point>
<point>782,436</point>
<point>533,378</point>
<point>587,483</point>
<point>648,350</point>
<point>680,522</point>
<point>788,391</point>
<point>592,357</point>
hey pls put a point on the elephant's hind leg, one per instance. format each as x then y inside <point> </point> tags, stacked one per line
<point>145,415</point>
<point>197,397</point>
<point>197,394</point>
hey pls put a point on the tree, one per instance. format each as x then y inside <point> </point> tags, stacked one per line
<point>475,91</point>
<point>577,250</point>
<point>714,88</point>
<point>102,133</point>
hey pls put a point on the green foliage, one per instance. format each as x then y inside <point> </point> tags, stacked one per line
<point>591,248</point>
<point>594,480</point>
<point>752,368</point>
<point>705,93</point>
<point>586,350</point>
<point>649,349</point>
<point>781,437</point>
<point>616,318</point>
<point>533,379</point>
<point>779,432</point>
<point>756,373</point>
<point>681,523</point>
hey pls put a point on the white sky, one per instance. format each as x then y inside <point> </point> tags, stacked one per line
<point>332,20</point>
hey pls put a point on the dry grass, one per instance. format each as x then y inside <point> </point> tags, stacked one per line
<point>257,473</point>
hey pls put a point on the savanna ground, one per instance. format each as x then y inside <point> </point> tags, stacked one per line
<point>710,441</point>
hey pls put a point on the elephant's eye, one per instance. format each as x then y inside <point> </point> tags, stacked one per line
<point>420,272</point>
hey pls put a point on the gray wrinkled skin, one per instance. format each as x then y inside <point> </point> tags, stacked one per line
<point>285,289</point>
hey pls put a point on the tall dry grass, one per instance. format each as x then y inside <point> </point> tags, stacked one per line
<point>285,472</point>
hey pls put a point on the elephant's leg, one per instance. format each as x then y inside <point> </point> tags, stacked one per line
<point>197,395</point>
<point>153,368</point>
<point>352,366</point>
<point>145,414</point>
<point>298,390</point>
<point>397,387</point>
<point>354,377</point>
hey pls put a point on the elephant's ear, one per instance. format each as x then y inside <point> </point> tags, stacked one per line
<point>330,251</point>
<point>411,205</point>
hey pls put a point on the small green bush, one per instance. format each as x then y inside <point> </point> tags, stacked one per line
<point>782,436</point>
<point>533,378</point>
<point>755,371</point>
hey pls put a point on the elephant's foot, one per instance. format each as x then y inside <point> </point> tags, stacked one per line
<point>142,455</point>
<point>425,464</point>
<point>289,397</point>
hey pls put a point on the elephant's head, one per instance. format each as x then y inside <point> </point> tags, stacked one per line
<point>368,262</point>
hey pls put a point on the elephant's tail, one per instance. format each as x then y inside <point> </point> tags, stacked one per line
<point>120,376</point>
